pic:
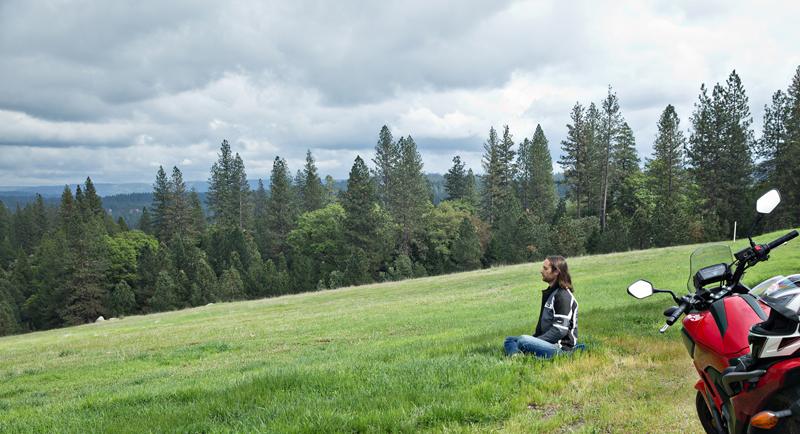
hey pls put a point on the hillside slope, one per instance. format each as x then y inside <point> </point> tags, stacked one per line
<point>419,355</point>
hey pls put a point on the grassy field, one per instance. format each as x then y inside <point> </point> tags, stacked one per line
<point>422,355</point>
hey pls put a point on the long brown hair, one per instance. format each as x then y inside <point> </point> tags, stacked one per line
<point>560,264</point>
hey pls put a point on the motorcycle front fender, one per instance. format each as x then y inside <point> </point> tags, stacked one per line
<point>700,386</point>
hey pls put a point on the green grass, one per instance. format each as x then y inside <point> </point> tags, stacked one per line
<point>423,355</point>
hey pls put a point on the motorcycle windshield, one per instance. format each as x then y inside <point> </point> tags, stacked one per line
<point>711,254</point>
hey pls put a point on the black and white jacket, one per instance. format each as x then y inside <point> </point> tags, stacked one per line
<point>558,321</point>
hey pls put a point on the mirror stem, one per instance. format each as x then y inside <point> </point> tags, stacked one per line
<point>750,234</point>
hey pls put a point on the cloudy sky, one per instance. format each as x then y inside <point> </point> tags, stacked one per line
<point>113,89</point>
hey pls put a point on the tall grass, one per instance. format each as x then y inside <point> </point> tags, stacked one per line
<point>423,355</point>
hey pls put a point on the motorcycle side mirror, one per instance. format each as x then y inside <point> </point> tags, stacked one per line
<point>764,205</point>
<point>768,201</point>
<point>641,289</point>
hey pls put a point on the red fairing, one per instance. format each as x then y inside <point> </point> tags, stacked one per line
<point>749,403</point>
<point>706,333</point>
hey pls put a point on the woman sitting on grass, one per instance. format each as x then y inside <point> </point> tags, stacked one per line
<point>557,329</point>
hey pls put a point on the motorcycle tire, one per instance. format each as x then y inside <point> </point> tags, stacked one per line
<point>704,414</point>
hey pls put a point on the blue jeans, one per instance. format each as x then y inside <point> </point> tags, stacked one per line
<point>531,345</point>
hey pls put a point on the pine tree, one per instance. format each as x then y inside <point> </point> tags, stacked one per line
<point>123,302</point>
<point>255,278</point>
<point>357,269</point>
<point>610,125</point>
<point>6,225</point>
<point>164,299</point>
<point>331,187</point>
<point>160,207</point>
<point>205,283</point>
<point>281,211</point>
<point>260,198</point>
<point>82,295</point>
<point>574,160</point>
<point>667,178</point>
<point>666,169</point>
<point>511,233</point>
<point>409,193</point>
<point>84,291</point>
<point>471,196</point>
<point>94,204</point>
<point>593,188</point>
<point>41,221</point>
<point>312,193</point>
<point>231,285</point>
<point>220,195</point>
<point>80,202</point>
<point>386,154</point>
<point>535,176</point>
<point>297,202</point>
<point>616,237</point>
<point>303,274</point>
<point>361,219</point>
<point>498,163</point>
<point>177,216</point>
<point>197,217</point>
<point>23,274</point>
<point>629,180</point>
<point>260,230</point>
<point>6,253</point>
<point>720,154</point>
<point>24,230</point>
<point>10,322</point>
<point>68,206</point>
<point>241,196</point>
<point>145,222</point>
<point>456,180</point>
<point>466,251</point>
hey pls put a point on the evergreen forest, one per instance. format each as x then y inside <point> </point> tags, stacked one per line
<point>70,262</point>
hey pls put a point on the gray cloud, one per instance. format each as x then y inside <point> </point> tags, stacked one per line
<point>114,89</point>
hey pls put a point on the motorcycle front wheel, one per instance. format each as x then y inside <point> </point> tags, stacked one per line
<point>705,416</point>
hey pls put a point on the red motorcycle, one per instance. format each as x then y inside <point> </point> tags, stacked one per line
<point>745,343</point>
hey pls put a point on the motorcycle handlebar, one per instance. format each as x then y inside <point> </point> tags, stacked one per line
<point>782,240</point>
<point>678,312</point>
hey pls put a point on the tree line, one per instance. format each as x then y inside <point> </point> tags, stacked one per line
<point>69,264</point>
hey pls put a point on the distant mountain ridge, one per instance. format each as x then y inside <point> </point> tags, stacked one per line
<point>110,189</point>
<point>103,189</point>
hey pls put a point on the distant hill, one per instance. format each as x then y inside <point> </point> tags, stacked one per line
<point>560,189</point>
<point>102,189</point>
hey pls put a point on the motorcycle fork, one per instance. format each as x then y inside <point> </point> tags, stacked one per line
<point>723,414</point>
<point>718,421</point>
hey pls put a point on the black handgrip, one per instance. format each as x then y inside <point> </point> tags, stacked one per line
<point>782,240</point>
<point>681,308</point>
